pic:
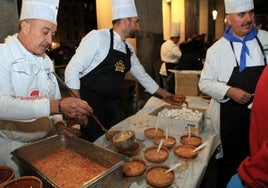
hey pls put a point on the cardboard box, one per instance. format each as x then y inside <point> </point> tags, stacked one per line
<point>177,126</point>
<point>186,82</point>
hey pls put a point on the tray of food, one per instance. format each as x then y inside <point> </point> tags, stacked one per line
<point>61,161</point>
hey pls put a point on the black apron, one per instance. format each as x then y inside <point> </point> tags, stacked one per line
<point>101,88</point>
<point>235,121</point>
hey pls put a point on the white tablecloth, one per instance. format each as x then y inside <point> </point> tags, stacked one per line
<point>189,174</point>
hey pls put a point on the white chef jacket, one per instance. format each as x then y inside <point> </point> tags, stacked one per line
<point>25,76</point>
<point>28,77</point>
<point>93,49</point>
<point>170,53</point>
<point>218,67</point>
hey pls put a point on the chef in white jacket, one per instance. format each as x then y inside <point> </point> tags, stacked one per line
<point>30,99</point>
<point>170,54</point>
<point>96,71</point>
<point>231,71</point>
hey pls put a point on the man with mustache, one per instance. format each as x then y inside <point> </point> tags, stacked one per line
<point>230,74</point>
<point>30,99</point>
<point>97,70</point>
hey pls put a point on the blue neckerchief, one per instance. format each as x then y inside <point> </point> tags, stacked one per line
<point>251,35</point>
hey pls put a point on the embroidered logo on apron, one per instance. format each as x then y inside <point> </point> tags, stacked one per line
<point>120,66</point>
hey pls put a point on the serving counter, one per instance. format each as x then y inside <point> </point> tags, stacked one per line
<point>189,174</point>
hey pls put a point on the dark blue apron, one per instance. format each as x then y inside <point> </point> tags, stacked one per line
<point>101,88</point>
<point>235,122</point>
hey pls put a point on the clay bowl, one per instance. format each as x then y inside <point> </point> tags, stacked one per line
<point>152,132</point>
<point>124,139</point>
<point>153,156</point>
<point>134,167</point>
<point>185,152</point>
<point>6,174</point>
<point>25,182</point>
<point>179,100</point>
<point>157,177</point>
<point>193,140</point>
<point>168,143</point>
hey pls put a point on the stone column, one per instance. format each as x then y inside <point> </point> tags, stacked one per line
<point>9,18</point>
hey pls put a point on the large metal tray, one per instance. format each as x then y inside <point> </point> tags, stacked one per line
<point>113,161</point>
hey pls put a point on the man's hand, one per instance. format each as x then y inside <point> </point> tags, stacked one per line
<point>63,129</point>
<point>238,95</point>
<point>74,107</point>
<point>167,97</point>
<point>81,120</point>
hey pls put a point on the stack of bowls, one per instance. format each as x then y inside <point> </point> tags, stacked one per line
<point>6,174</point>
<point>24,182</point>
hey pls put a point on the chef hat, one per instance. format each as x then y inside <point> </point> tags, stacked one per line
<point>175,30</point>
<point>236,6</point>
<point>123,9</point>
<point>40,9</point>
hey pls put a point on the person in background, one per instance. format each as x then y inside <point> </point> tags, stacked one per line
<point>30,98</point>
<point>97,69</point>
<point>192,53</point>
<point>170,55</point>
<point>230,74</point>
<point>253,170</point>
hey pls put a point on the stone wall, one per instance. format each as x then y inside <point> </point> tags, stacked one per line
<point>8,18</point>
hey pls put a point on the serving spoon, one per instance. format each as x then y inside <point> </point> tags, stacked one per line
<point>173,167</point>
<point>71,91</point>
